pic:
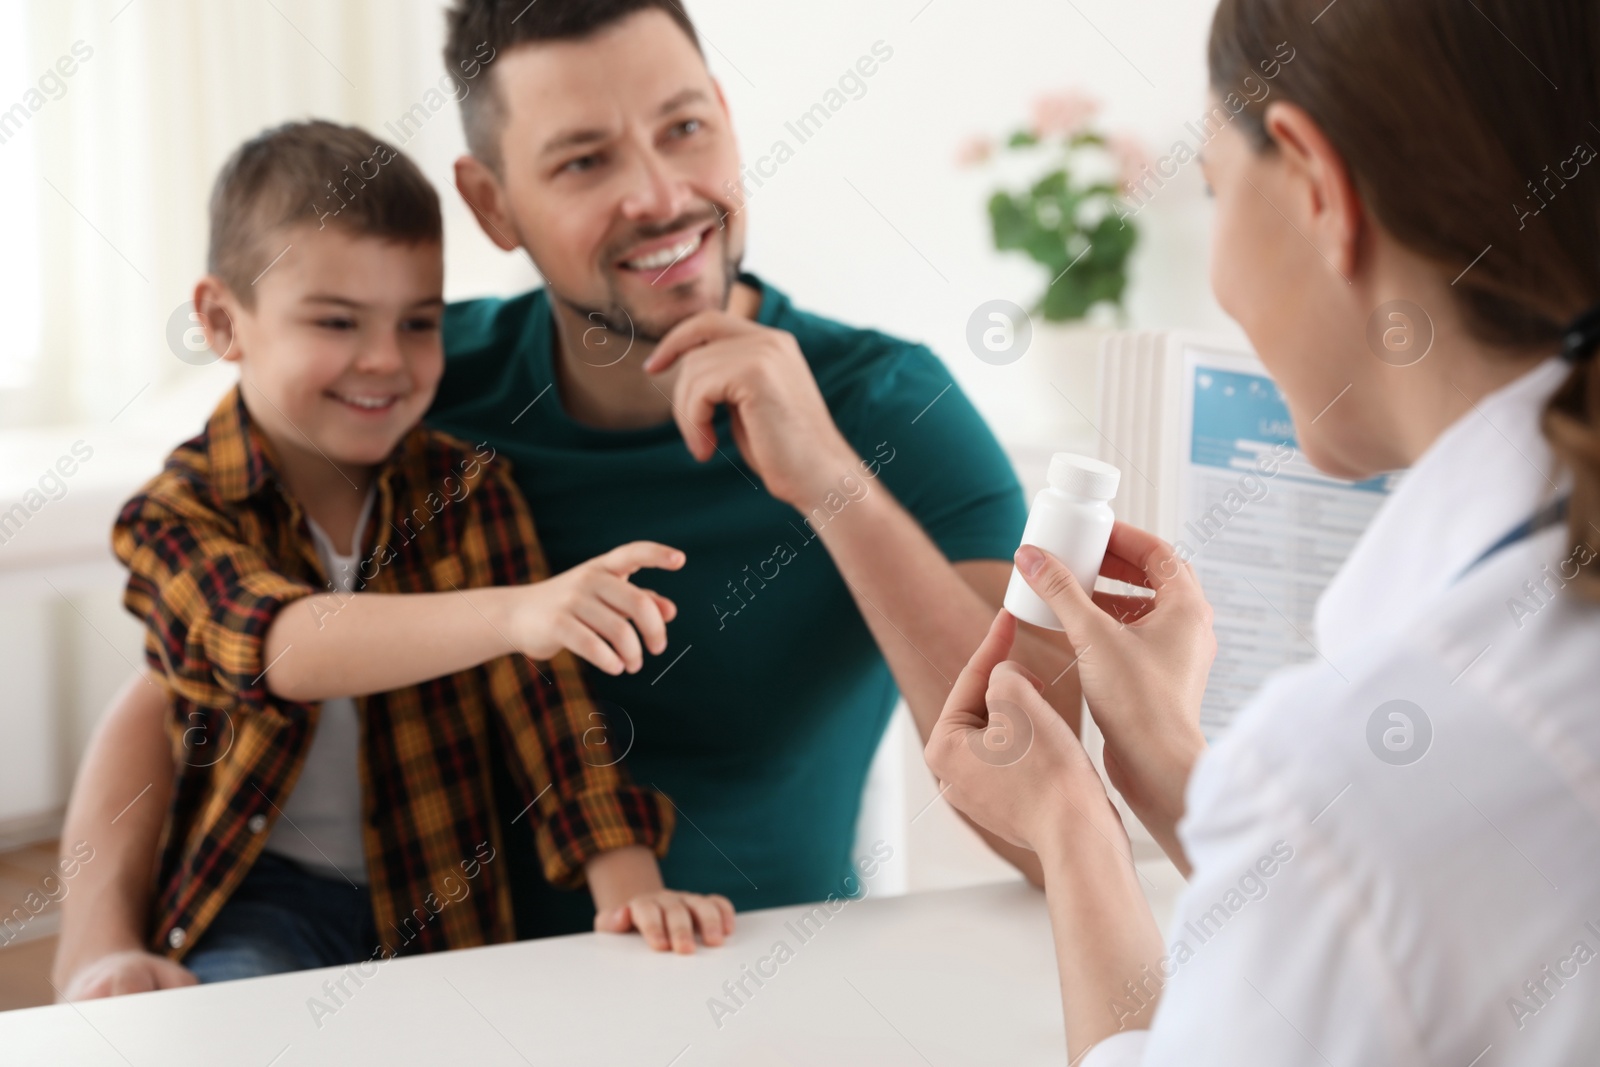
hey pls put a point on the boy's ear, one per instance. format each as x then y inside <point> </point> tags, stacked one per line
<point>481,190</point>
<point>214,303</point>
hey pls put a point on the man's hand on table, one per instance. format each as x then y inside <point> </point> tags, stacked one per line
<point>130,971</point>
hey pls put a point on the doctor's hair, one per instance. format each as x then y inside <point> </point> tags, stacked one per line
<point>313,172</point>
<point>1462,146</point>
<point>477,32</point>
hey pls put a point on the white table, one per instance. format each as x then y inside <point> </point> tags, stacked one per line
<point>964,976</point>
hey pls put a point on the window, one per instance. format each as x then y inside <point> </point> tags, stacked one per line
<point>20,294</point>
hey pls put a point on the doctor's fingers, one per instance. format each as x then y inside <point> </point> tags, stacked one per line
<point>1054,748</point>
<point>1141,558</point>
<point>1012,669</point>
<point>963,709</point>
<point>1125,609</point>
<point>1084,623</point>
<point>1178,603</point>
<point>1014,690</point>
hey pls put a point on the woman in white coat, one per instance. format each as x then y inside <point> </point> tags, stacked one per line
<point>1395,849</point>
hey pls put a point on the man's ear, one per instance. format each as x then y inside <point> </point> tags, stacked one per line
<point>481,189</point>
<point>1325,203</point>
<point>216,306</point>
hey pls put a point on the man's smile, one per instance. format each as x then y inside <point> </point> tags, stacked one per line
<point>669,260</point>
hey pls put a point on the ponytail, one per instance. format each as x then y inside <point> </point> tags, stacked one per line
<point>1572,425</point>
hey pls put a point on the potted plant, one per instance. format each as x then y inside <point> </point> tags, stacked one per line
<point>1074,219</point>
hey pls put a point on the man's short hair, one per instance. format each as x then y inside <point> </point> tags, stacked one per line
<point>479,31</point>
<point>313,172</point>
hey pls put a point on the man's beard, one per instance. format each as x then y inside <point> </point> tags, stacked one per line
<point>617,319</point>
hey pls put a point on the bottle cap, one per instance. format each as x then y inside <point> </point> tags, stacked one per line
<point>1082,476</point>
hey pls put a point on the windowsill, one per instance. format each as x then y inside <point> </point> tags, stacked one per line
<point>69,502</point>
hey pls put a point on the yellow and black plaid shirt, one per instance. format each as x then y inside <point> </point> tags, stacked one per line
<point>216,547</point>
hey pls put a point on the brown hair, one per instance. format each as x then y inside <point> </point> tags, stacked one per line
<point>313,172</point>
<point>476,31</point>
<point>1461,124</point>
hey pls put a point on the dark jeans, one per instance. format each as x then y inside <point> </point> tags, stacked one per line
<point>284,918</point>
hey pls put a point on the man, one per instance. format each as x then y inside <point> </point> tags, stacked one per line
<point>847,517</point>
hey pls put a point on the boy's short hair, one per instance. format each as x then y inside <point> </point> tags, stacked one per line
<point>478,31</point>
<point>319,172</point>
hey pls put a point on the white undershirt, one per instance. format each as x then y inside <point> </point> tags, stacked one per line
<point>320,823</point>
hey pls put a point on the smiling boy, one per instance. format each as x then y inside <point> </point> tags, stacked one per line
<point>333,800</point>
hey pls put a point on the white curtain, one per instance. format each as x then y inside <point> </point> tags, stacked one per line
<point>104,177</point>
<point>125,151</point>
<point>19,275</point>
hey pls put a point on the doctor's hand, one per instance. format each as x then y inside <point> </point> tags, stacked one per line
<point>780,422</point>
<point>1008,759</point>
<point>1143,663</point>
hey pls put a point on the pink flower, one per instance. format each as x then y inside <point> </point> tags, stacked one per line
<point>1063,114</point>
<point>1132,159</point>
<point>974,150</point>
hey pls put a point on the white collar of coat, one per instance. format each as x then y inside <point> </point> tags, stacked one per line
<point>1488,472</point>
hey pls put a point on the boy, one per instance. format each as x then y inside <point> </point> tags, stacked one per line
<point>333,792</point>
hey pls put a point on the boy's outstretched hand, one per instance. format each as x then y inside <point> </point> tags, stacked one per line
<point>594,611</point>
<point>669,919</point>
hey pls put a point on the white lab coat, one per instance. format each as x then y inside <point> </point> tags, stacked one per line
<point>1349,910</point>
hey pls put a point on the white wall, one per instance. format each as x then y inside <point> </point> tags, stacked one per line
<point>825,227</point>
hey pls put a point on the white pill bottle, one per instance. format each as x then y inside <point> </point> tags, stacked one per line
<point>1072,521</point>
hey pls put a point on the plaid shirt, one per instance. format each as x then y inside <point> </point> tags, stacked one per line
<point>216,547</point>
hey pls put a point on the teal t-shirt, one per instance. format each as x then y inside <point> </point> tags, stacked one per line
<point>763,714</point>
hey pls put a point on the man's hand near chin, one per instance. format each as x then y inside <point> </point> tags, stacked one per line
<point>780,422</point>
<point>129,971</point>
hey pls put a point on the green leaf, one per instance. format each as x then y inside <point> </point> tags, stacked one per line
<point>1011,221</point>
<point>1047,247</point>
<point>1052,184</point>
<point>1066,300</point>
<point>1113,241</point>
<point>1022,139</point>
<point>1057,223</point>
